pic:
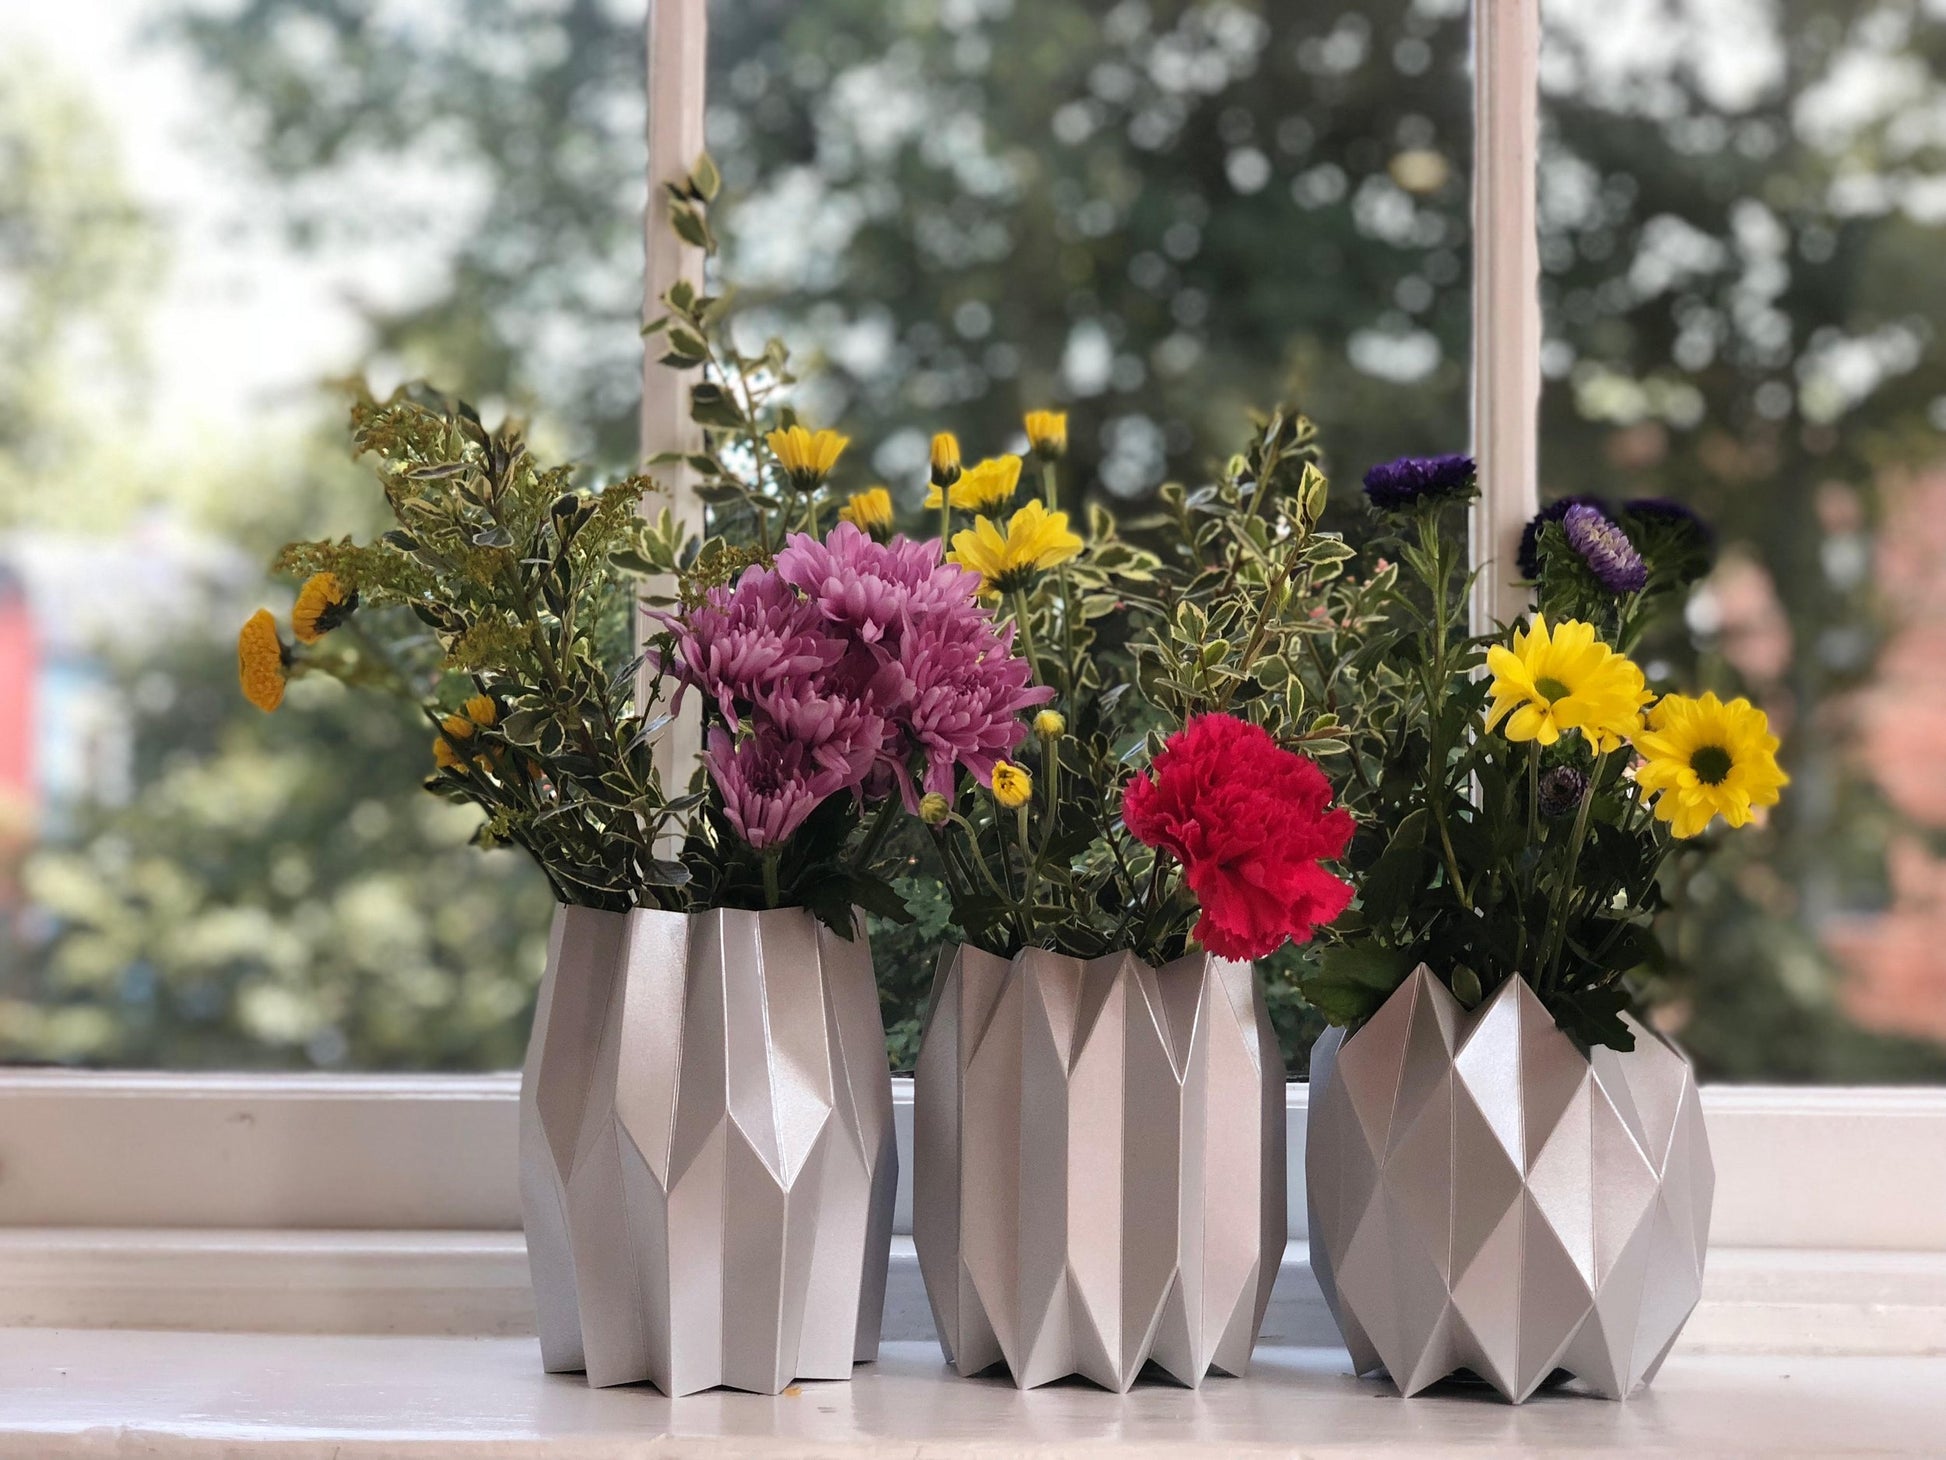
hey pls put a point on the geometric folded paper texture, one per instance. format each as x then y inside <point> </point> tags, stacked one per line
<point>708,1164</point>
<point>1486,1196</point>
<point>1098,1165</point>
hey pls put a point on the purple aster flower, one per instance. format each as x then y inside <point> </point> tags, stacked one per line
<point>1528,559</point>
<point>1606,550</point>
<point>968,692</point>
<point>742,642</point>
<point>1395,485</point>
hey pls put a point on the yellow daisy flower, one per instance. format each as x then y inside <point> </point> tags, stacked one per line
<point>1704,759</point>
<point>322,604</point>
<point>1047,433</point>
<point>1566,679</point>
<point>262,661</point>
<point>1036,539</point>
<point>945,462</point>
<point>1011,785</point>
<point>807,455</point>
<point>984,487</point>
<point>869,511</point>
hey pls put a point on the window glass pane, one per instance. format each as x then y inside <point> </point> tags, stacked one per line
<point>209,211</point>
<point>1744,249</point>
<point>1156,215</point>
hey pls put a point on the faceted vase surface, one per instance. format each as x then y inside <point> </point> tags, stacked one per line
<point>708,1164</point>
<point>1487,1196</point>
<point>1098,1165</point>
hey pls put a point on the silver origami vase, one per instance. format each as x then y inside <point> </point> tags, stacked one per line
<point>584,961</point>
<point>714,1140</point>
<point>1486,1196</point>
<point>1098,1165</point>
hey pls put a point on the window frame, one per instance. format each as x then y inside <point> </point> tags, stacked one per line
<point>320,1201</point>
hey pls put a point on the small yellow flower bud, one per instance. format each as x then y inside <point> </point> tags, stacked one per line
<point>870,511</point>
<point>945,459</point>
<point>457,727</point>
<point>1047,433</point>
<point>1050,724</point>
<point>446,758</point>
<point>934,809</point>
<point>807,456</point>
<point>1011,784</point>
<point>480,710</point>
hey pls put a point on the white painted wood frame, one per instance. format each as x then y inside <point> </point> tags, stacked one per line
<point>390,1204</point>
<point>1506,298</point>
<point>677,42</point>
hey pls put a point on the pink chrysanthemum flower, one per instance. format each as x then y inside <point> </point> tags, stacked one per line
<point>968,692</point>
<point>743,642</point>
<point>840,668</point>
<point>839,731</point>
<point>770,784</point>
<point>872,587</point>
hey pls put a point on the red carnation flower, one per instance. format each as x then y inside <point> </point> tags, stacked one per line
<point>1250,823</point>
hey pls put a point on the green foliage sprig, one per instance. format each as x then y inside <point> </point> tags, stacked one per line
<point>516,578</point>
<point>1231,599</point>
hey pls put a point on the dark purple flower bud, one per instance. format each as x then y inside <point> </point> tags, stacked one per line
<point>1672,536</point>
<point>1394,486</point>
<point>1529,556</point>
<point>1561,790</point>
<point>1606,550</point>
<point>1664,512</point>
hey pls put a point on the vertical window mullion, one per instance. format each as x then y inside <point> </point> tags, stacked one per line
<point>678,51</point>
<point>1506,296</point>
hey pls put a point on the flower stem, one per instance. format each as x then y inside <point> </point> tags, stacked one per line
<point>978,859</point>
<point>875,835</point>
<point>1070,664</point>
<point>771,858</point>
<point>1437,577</point>
<point>1026,621</point>
<point>1030,870</point>
<point>1557,921</point>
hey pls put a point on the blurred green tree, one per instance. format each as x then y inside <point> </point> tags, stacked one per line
<point>270,893</point>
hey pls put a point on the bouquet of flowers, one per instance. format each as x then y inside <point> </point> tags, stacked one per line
<point>1168,793</point>
<point>1518,793</point>
<point>837,674</point>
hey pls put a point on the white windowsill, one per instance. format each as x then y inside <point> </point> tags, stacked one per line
<point>474,1284</point>
<point>343,1258</point>
<point>165,1396</point>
